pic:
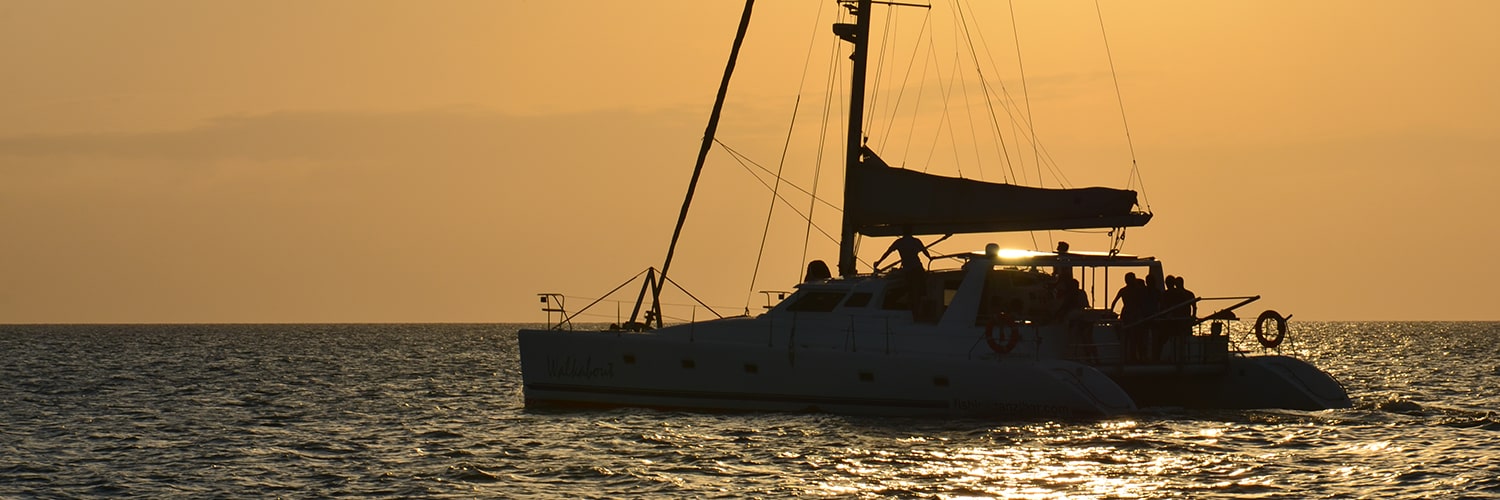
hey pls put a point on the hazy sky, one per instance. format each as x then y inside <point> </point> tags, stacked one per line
<point>385,161</point>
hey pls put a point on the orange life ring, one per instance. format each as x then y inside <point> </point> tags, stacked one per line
<point>1267,338</point>
<point>1012,337</point>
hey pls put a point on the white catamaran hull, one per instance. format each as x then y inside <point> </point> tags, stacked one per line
<point>645,369</point>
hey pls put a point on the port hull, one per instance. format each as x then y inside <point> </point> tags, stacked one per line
<point>642,369</point>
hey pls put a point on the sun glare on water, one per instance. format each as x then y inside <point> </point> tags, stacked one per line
<point>1116,459</point>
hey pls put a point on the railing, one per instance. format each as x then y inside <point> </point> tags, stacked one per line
<point>779,295</point>
<point>1156,342</point>
<point>554,304</point>
<point>615,314</point>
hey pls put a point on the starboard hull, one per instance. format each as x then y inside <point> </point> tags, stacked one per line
<point>1242,382</point>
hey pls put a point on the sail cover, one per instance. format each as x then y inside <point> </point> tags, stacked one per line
<point>884,201</point>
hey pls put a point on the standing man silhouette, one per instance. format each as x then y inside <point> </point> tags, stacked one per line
<point>908,247</point>
<point>912,273</point>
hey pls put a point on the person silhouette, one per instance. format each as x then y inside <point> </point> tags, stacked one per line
<point>1062,272</point>
<point>913,276</point>
<point>1133,337</point>
<point>908,247</point>
<point>817,271</point>
<point>1184,308</point>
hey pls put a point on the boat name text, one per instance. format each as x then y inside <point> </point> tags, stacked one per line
<point>570,367</point>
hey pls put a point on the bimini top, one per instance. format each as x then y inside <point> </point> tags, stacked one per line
<point>887,201</point>
<point>1030,258</point>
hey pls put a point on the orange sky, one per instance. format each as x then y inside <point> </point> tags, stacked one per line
<point>381,161</point>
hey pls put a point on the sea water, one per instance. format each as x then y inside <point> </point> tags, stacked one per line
<point>431,411</point>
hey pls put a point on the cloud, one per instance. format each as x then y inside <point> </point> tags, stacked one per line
<point>343,135</point>
<point>321,215</point>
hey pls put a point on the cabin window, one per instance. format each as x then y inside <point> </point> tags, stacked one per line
<point>858,300</point>
<point>816,302</point>
<point>896,298</point>
<point>1020,294</point>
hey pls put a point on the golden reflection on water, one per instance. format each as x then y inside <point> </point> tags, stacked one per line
<point>1110,459</point>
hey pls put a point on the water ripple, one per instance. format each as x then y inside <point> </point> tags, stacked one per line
<point>434,411</point>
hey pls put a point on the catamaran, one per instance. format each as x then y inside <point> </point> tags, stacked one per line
<point>984,333</point>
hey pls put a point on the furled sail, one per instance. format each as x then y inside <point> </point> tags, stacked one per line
<point>883,201</point>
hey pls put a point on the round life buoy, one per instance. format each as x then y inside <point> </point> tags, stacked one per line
<point>1263,333</point>
<point>1004,326</point>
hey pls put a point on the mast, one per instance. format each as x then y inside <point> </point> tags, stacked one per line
<point>708,142</point>
<point>859,35</point>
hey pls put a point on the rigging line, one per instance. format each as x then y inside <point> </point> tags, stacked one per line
<point>874,96</point>
<point>962,22</point>
<point>943,89</point>
<point>843,100</point>
<point>905,79</point>
<point>831,239</point>
<point>1010,105</point>
<point>916,111</point>
<point>746,162</point>
<point>1052,167</point>
<point>945,119</point>
<point>691,296</point>
<point>1002,148</point>
<point>831,86</point>
<point>836,92</point>
<point>607,294</point>
<point>1026,95</point>
<point>1030,118</point>
<point>1016,125</point>
<point>789,204</point>
<point>775,192</point>
<point>985,89</point>
<point>781,164</point>
<point>631,301</point>
<point>973,137</point>
<point>1134,166</point>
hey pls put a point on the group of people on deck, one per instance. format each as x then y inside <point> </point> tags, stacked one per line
<point>1155,311</point>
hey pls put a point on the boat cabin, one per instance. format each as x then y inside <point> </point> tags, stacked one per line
<point>1022,285</point>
